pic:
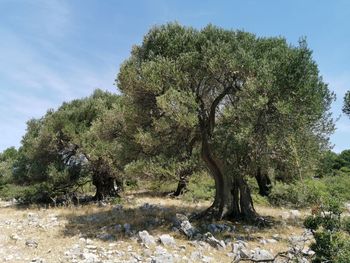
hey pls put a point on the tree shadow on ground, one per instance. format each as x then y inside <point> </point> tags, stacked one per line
<point>118,223</point>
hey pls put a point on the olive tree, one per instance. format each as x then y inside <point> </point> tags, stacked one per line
<point>241,98</point>
<point>62,150</point>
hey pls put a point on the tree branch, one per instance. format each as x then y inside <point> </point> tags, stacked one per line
<point>214,106</point>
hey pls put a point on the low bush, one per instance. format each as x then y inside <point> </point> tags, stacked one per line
<point>11,191</point>
<point>310,191</point>
<point>300,194</point>
<point>338,186</point>
<point>332,242</point>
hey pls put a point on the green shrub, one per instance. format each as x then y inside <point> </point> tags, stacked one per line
<point>300,194</point>
<point>200,187</point>
<point>338,186</point>
<point>346,224</point>
<point>332,243</point>
<point>283,194</point>
<point>10,191</point>
<point>38,193</point>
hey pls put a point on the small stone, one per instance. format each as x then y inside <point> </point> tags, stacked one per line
<point>31,243</point>
<point>187,228</point>
<point>261,254</point>
<point>91,247</point>
<point>179,218</point>
<point>102,204</point>
<point>167,240</point>
<point>206,259</point>
<point>9,258</point>
<point>15,237</point>
<point>294,214</point>
<point>347,206</point>
<point>196,255</point>
<point>268,241</point>
<point>213,229</point>
<point>89,257</point>
<point>308,252</point>
<point>276,237</point>
<point>117,208</point>
<point>244,253</point>
<point>37,260</point>
<point>262,241</point>
<point>146,238</point>
<point>127,227</point>
<point>211,240</point>
<point>118,228</point>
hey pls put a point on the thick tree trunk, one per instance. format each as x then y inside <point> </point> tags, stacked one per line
<point>104,187</point>
<point>232,197</point>
<point>264,182</point>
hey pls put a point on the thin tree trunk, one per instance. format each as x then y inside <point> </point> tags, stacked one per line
<point>264,182</point>
<point>182,185</point>
<point>184,176</point>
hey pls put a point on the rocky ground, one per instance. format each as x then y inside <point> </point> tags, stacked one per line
<point>146,229</point>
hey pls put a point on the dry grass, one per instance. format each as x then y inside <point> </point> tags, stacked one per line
<point>78,223</point>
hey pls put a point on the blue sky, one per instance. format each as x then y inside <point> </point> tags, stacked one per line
<point>54,50</point>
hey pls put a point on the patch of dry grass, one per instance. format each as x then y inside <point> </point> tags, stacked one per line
<point>75,224</point>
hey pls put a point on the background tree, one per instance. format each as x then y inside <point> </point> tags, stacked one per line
<point>55,155</point>
<point>7,159</point>
<point>346,103</point>
<point>206,85</point>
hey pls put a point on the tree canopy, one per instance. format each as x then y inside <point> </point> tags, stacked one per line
<point>67,147</point>
<point>248,103</point>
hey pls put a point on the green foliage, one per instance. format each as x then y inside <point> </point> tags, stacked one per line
<point>346,103</point>
<point>7,159</point>
<point>254,188</point>
<point>346,224</point>
<point>201,187</point>
<point>257,103</point>
<point>299,194</point>
<point>342,160</point>
<point>327,164</point>
<point>310,191</point>
<point>64,148</point>
<point>332,243</point>
<point>338,186</point>
<point>11,191</point>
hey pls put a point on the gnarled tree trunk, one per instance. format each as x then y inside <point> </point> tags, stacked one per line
<point>232,196</point>
<point>104,186</point>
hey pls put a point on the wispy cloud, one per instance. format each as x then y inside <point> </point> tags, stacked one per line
<point>37,74</point>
